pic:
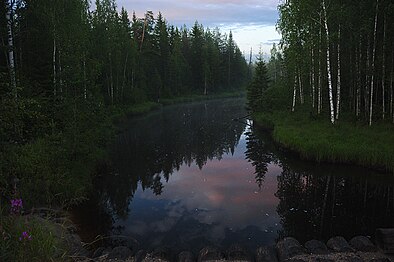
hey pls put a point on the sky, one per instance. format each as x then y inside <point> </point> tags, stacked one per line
<point>252,22</point>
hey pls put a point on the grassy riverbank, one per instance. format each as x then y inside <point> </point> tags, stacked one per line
<point>345,142</point>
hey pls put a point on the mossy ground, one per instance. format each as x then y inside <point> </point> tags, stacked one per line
<point>345,142</point>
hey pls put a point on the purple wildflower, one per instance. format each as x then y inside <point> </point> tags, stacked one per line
<point>16,206</point>
<point>25,236</point>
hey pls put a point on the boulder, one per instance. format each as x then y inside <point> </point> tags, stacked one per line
<point>186,256</point>
<point>362,243</point>
<point>162,253</point>
<point>140,256</point>
<point>339,244</point>
<point>210,253</point>
<point>98,252</point>
<point>288,248</point>
<point>238,253</point>
<point>266,254</point>
<point>120,252</point>
<point>316,247</point>
<point>125,241</point>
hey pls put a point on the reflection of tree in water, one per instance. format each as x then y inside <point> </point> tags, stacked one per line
<point>316,202</point>
<point>154,147</point>
<point>320,200</point>
<point>258,154</point>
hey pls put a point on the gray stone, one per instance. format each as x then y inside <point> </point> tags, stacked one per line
<point>316,247</point>
<point>323,259</point>
<point>163,253</point>
<point>140,255</point>
<point>98,252</point>
<point>288,248</point>
<point>237,252</point>
<point>380,259</point>
<point>210,253</point>
<point>106,251</point>
<point>125,241</point>
<point>363,244</point>
<point>121,252</point>
<point>186,256</point>
<point>339,244</point>
<point>266,254</point>
<point>351,258</point>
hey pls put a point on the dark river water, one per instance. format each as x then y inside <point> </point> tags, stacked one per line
<point>189,175</point>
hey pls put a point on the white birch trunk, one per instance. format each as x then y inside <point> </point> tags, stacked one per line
<point>60,74</point>
<point>11,60</point>
<point>319,78</point>
<point>330,91</point>
<point>338,75</point>
<point>85,90</point>
<point>358,102</point>
<point>294,94</point>
<point>300,87</point>
<point>54,66</point>
<point>111,79</point>
<point>313,79</point>
<point>373,65</point>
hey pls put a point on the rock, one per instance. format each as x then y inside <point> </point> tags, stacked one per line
<point>297,259</point>
<point>363,244</point>
<point>237,252</point>
<point>266,254</point>
<point>339,244</point>
<point>162,253</point>
<point>139,256</point>
<point>125,241</point>
<point>98,252</point>
<point>120,252</point>
<point>380,259</point>
<point>316,247</point>
<point>186,256</point>
<point>288,248</point>
<point>385,239</point>
<point>106,251</point>
<point>323,259</point>
<point>74,243</point>
<point>210,253</point>
<point>351,258</point>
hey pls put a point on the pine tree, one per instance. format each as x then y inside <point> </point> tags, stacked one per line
<point>258,86</point>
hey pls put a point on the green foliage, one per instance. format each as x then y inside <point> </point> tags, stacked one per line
<point>257,88</point>
<point>344,143</point>
<point>43,246</point>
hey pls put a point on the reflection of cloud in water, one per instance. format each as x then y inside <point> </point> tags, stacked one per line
<point>223,193</point>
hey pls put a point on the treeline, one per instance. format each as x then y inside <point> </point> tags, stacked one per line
<point>66,67</point>
<point>58,51</point>
<point>338,58</point>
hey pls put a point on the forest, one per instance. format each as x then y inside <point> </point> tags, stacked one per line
<point>68,68</point>
<point>333,69</point>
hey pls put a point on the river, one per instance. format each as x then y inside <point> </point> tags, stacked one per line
<point>199,174</point>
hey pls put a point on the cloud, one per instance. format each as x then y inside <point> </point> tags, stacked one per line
<point>208,12</point>
<point>252,21</point>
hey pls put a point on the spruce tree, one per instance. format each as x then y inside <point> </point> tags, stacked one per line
<point>258,86</point>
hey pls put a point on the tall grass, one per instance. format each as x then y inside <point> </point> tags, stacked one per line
<point>43,245</point>
<point>344,142</point>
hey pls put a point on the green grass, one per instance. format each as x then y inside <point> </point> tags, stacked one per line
<point>344,142</point>
<point>43,246</point>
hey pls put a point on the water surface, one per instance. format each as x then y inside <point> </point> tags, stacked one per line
<point>200,174</point>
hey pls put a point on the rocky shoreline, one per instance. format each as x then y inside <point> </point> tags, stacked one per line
<point>123,248</point>
<point>358,249</point>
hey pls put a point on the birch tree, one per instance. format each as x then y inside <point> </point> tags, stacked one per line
<point>329,72</point>
<point>10,4</point>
